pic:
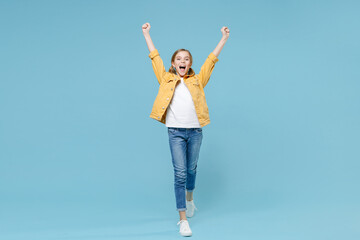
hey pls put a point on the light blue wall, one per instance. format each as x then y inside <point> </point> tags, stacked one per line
<point>77,88</point>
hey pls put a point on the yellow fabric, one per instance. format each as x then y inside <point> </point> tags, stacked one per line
<point>195,83</point>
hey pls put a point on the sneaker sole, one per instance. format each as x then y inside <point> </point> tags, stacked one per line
<point>186,234</point>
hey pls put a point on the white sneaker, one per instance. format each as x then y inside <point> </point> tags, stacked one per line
<point>190,208</point>
<point>184,228</point>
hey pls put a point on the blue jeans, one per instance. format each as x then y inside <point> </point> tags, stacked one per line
<point>185,148</point>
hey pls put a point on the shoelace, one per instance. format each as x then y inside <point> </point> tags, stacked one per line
<point>181,221</point>
<point>195,208</point>
<point>184,226</point>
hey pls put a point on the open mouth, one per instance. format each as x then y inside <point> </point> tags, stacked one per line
<point>182,68</point>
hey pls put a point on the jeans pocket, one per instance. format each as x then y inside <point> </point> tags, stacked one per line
<point>171,130</point>
<point>198,130</point>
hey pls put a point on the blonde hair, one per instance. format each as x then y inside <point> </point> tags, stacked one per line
<point>173,70</point>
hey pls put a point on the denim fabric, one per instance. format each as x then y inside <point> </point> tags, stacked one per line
<point>185,148</point>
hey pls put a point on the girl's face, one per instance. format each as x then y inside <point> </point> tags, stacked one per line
<point>182,63</point>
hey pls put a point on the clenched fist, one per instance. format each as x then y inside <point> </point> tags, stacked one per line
<point>146,28</point>
<point>225,32</point>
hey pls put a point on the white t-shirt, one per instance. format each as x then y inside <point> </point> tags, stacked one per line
<point>181,110</point>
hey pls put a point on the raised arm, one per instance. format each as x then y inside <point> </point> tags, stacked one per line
<point>225,32</point>
<point>208,66</point>
<point>146,31</point>
<point>156,60</point>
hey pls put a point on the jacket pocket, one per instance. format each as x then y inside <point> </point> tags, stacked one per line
<point>195,82</point>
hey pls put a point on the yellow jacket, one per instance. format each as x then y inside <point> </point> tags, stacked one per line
<point>195,84</point>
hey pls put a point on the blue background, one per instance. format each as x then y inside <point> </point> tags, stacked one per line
<point>81,159</point>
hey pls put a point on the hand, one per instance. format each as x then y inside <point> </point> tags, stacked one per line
<point>225,32</point>
<point>146,28</point>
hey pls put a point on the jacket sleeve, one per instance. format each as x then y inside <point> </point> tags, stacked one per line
<point>207,68</point>
<point>158,65</point>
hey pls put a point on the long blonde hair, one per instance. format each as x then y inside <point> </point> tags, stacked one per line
<point>173,70</point>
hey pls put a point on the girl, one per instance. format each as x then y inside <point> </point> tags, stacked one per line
<point>181,106</point>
